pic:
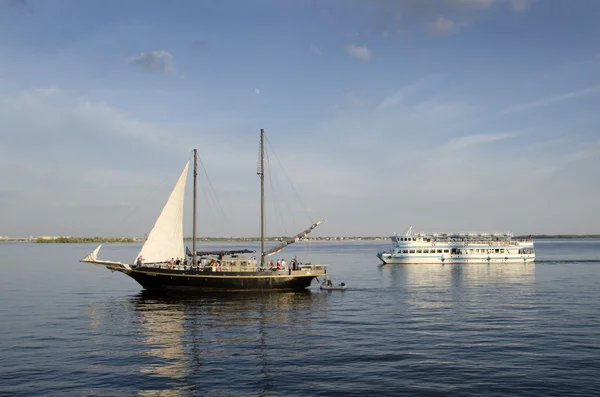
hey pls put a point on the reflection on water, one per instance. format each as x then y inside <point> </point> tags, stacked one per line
<point>451,275</point>
<point>197,337</point>
<point>449,285</point>
<point>200,343</point>
<point>164,323</point>
<point>468,329</point>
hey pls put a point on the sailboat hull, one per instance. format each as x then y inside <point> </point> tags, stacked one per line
<point>232,281</point>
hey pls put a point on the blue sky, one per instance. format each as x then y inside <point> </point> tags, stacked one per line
<point>448,115</point>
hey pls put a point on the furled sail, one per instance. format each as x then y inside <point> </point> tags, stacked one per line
<point>292,240</point>
<point>165,240</point>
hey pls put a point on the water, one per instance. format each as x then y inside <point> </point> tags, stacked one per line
<point>72,329</point>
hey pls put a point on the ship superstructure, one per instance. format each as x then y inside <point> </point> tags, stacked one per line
<point>458,248</point>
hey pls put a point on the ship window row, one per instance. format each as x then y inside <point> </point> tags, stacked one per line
<point>461,251</point>
<point>428,251</point>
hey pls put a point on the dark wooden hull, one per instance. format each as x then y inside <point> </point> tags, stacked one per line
<point>161,279</point>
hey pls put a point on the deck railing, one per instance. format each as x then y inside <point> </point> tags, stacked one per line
<point>303,268</point>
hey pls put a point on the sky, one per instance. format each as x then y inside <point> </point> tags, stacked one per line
<point>447,115</point>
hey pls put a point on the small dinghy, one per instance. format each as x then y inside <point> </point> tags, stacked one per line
<point>328,285</point>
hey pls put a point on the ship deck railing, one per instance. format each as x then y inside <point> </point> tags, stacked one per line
<point>302,269</point>
<point>466,242</point>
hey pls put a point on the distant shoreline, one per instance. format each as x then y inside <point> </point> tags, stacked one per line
<point>84,240</point>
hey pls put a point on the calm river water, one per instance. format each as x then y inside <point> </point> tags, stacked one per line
<point>73,329</point>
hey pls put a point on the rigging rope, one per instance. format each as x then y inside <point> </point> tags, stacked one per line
<point>289,181</point>
<point>215,198</point>
<point>273,187</point>
<point>307,246</point>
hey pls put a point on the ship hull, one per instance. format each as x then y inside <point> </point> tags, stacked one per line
<point>224,281</point>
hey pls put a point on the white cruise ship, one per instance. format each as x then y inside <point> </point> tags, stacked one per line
<point>458,248</point>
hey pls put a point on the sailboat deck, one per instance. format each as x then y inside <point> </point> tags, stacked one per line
<point>166,268</point>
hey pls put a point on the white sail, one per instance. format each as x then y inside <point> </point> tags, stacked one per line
<point>165,240</point>
<point>92,256</point>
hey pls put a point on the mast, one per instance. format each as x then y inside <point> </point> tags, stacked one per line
<point>194,220</point>
<point>261,174</point>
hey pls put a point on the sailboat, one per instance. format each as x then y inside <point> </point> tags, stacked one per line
<point>162,263</point>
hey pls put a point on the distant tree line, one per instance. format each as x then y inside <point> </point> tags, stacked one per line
<point>242,239</point>
<point>87,240</point>
<point>234,238</point>
<point>542,236</point>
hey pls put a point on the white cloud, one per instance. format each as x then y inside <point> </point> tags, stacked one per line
<point>437,16</point>
<point>315,49</point>
<point>441,26</point>
<point>521,5</point>
<point>464,142</point>
<point>359,51</point>
<point>428,164</point>
<point>257,91</point>
<point>554,99</point>
<point>154,61</point>
<point>91,159</point>
<point>351,101</point>
<point>425,162</point>
<point>591,150</point>
<point>406,91</point>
